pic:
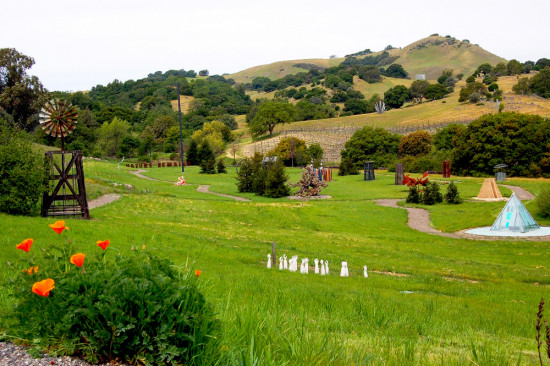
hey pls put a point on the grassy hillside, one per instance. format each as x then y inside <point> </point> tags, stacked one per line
<point>432,55</point>
<point>280,69</point>
<point>428,299</point>
<point>429,56</point>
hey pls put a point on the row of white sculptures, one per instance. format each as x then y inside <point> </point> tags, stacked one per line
<point>292,265</point>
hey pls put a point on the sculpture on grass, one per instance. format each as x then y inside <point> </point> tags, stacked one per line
<point>309,184</point>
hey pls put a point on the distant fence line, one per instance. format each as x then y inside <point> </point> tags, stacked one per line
<point>332,139</point>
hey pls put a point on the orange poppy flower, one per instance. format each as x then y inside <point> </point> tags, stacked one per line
<point>59,226</point>
<point>43,288</point>
<point>198,272</point>
<point>31,270</point>
<point>78,259</point>
<point>25,245</point>
<point>103,244</point>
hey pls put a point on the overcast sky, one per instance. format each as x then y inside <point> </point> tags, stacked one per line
<point>79,44</point>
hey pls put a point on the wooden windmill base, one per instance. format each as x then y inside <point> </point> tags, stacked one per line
<point>66,194</point>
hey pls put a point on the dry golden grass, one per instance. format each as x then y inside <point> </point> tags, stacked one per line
<point>279,69</point>
<point>185,100</point>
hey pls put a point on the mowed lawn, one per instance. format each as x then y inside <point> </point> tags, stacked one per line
<point>428,299</point>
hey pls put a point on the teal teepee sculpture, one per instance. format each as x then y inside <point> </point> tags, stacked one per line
<point>514,217</point>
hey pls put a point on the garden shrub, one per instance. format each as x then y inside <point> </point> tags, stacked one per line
<point>23,174</point>
<point>414,195</point>
<point>268,180</point>
<point>543,202</point>
<point>276,181</point>
<point>245,176</point>
<point>221,167</point>
<point>207,159</point>
<point>138,309</point>
<point>452,196</point>
<point>431,194</point>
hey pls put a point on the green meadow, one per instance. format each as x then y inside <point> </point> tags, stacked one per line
<point>428,299</point>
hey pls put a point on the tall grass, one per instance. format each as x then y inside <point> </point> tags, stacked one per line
<point>457,301</point>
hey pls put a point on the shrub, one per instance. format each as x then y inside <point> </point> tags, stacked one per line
<point>137,309</point>
<point>414,195</point>
<point>452,196</point>
<point>347,167</point>
<point>543,202</point>
<point>221,167</point>
<point>207,159</point>
<point>245,176</point>
<point>416,143</point>
<point>431,194</point>
<point>276,181</point>
<point>144,158</point>
<point>22,174</point>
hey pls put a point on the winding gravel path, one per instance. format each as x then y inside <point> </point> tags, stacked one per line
<point>103,200</point>
<point>520,192</point>
<point>419,219</point>
<point>204,189</point>
<point>138,174</point>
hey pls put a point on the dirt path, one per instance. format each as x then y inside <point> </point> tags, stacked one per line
<point>204,189</point>
<point>138,174</point>
<point>103,200</point>
<point>419,219</point>
<point>520,192</point>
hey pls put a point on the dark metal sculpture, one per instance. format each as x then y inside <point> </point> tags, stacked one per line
<point>58,119</point>
<point>399,174</point>
<point>369,170</point>
<point>66,193</point>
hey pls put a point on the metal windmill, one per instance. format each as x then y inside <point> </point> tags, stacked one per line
<point>66,194</point>
<point>58,119</point>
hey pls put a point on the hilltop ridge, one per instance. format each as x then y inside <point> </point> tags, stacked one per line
<point>428,56</point>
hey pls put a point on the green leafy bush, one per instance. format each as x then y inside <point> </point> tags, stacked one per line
<point>221,167</point>
<point>22,174</point>
<point>543,202</point>
<point>431,194</point>
<point>138,309</point>
<point>276,181</point>
<point>414,195</point>
<point>452,196</point>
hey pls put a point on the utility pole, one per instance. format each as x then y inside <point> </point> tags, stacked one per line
<point>181,132</point>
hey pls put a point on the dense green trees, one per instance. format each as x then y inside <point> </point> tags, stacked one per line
<point>21,95</point>
<point>269,115</point>
<point>371,144</point>
<point>416,143</point>
<point>111,135</point>
<point>519,140</point>
<point>397,96</point>
<point>22,173</point>
<point>396,71</point>
<point>435,91</point>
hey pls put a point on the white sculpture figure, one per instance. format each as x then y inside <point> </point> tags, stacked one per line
<point>306,266</point>
<point>293,264</point>
<point>316,265</point>
<point>303,266</point>
<point>326,267</point>
<point>285,262</point>
<point>269,261</point>
<point>344,271</point>
<point>280,262</point>
<point>365,272</point>
<point>322,268</point>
